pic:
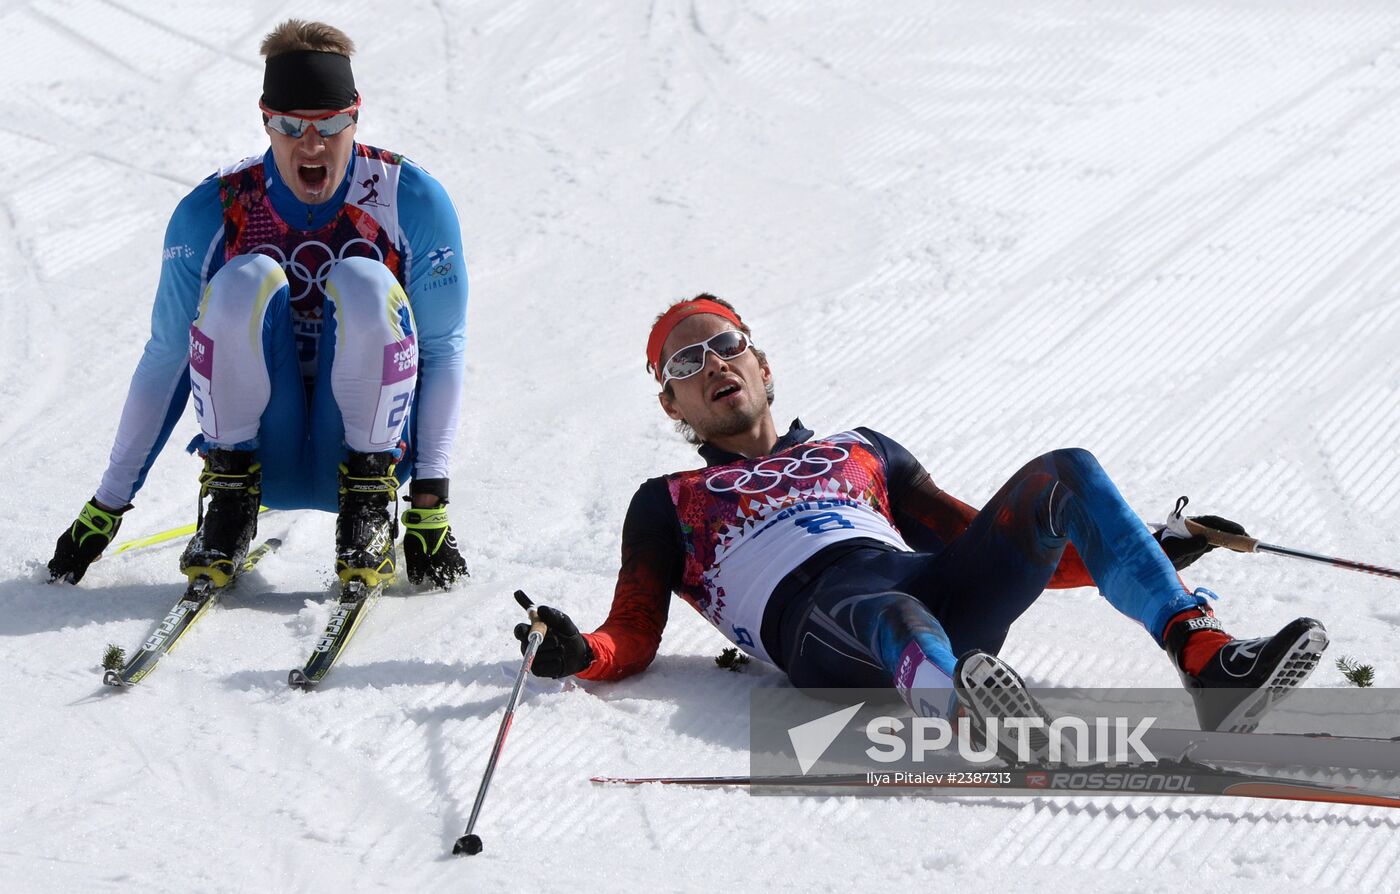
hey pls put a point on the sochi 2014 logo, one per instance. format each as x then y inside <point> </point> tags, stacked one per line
<point>816,461</point>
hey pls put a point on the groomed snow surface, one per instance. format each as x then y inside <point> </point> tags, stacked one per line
<point>1168,232</point>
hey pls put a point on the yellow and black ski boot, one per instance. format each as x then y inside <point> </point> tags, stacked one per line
<point>364,530</point>
<point>233,483</point>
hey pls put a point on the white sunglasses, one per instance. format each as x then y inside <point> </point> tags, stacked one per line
<point>689,360</point>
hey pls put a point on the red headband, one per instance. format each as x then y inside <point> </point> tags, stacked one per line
<point>672,318</point>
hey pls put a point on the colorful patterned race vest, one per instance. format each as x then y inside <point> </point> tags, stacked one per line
<point>748,524</point>
<point>367,225</point>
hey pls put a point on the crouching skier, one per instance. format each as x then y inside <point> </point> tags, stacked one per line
<point>838,560</point>
<point>312,300</point>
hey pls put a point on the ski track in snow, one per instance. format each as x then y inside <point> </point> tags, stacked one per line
<point>1166,233</point>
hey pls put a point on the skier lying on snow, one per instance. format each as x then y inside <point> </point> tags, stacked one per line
<point>298,291</point>
<point>840,561</point>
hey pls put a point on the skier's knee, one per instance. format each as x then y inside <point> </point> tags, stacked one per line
<point>1072,458</point>
<point>363,290</point>
<point>241,288</point>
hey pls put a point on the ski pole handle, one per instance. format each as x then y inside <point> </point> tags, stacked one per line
<point>533,642</point>
<point>1237,542</point>
<point>538,628</point>
<point>1242,544</point>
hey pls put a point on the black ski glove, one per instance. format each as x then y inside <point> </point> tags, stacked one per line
<point>564,651</point>
<point>84,541</point>
<point>429,549</point>
<point>1182,551</point>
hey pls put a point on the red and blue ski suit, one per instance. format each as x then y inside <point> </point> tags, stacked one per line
<point>830,556</point>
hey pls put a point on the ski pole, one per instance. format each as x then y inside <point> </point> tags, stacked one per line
<point>162,537</point>
<point>1242,544</point>
<point>470,844</point>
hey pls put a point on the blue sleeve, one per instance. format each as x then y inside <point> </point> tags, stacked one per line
<point>437,291</point>
<point>160,386</point>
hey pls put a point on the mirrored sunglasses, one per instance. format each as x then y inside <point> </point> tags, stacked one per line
<point>327,124</point>
<point>689,360</point>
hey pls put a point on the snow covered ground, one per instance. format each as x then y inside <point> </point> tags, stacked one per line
<point>1169,232</point>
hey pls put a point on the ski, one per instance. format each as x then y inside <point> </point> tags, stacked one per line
<point>1174,777</point>
<point>1311,750</point>
<point>356,597</point>
<point>1297,751</point>
<point>198,597</point>
<point>1273,749</point>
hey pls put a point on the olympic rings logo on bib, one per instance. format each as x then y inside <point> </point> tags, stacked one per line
<point>319,256</point>
<point>814,462</point>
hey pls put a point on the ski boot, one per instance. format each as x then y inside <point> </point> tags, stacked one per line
<point>1235,682</point>
<point>989,691</point>
<point>233,483</point>
<point>364,530</point>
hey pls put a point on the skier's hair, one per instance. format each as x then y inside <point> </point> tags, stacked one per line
<point>296,35</point>
<point>682,426</point>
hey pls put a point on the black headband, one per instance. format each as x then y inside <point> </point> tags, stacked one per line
<point>308,79</point>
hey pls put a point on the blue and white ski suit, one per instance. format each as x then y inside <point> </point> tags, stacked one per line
<point>304,329</point>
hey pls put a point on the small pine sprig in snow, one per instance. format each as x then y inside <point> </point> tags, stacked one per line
<point>113,658</point>
<point>1357,674</point>
<point>732,659</point>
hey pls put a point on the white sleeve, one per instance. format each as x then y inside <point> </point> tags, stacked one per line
<point>437,290</point>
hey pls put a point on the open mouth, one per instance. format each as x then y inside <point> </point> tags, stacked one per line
<point>724,391</point>
<point>313,177</point>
